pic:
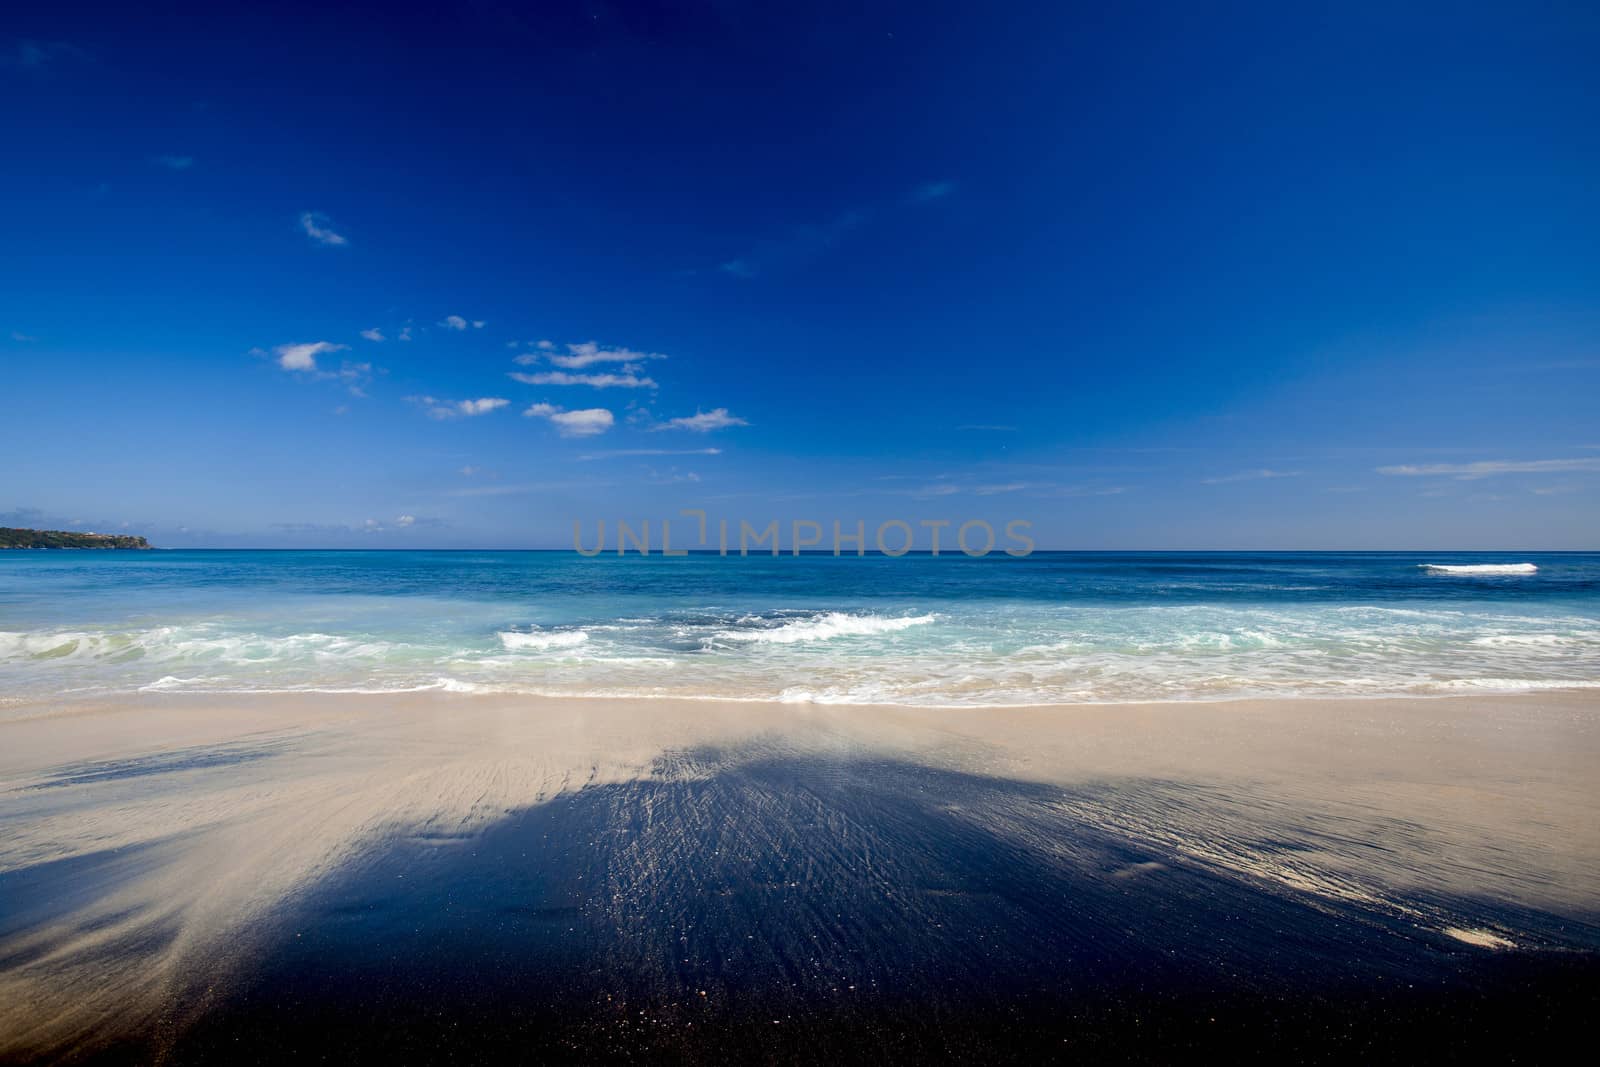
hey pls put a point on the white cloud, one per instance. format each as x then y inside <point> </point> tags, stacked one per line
<point>546,345</point>
<point>1487,468</point>
<point>316,228</point>
<point>1250,476</point>
<point>585,422</point>
<point>405,520</point>
<point>304,356</point>
<point>587,354</point>
<point>704,421</point>
<point>174,162</point>
<point>450,409</point>
<point>456,322</point>
<point>355,376</point>
<point>478,324</point>
<point>373,334</point>
<point>599,381</point>
<point>405,332</point>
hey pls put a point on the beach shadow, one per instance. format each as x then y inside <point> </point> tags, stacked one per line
<point>738,907</point>
<point>199,758</point>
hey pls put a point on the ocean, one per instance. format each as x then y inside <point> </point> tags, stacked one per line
<point>914,630</point>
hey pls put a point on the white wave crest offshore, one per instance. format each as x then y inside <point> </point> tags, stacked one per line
<point>1474,569</point>
<point>825,627</point>
<point>517,639</point>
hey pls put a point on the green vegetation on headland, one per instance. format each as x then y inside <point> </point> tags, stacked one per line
<point>14,538</point>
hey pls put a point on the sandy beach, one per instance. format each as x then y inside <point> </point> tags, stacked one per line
<point>435,873</point>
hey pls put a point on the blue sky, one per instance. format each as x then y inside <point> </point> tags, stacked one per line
<point>1143,276</point>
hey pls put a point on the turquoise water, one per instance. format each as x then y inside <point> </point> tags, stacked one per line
<point>912,630</point>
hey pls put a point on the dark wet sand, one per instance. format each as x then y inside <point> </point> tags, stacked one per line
<point>469,881</point>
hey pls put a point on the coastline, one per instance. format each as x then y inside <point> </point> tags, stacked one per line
<point>166,851</point>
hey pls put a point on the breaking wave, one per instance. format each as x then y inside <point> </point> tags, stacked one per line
<point>516,639</point>
<point>1479,569</point>
<point>825,627</point>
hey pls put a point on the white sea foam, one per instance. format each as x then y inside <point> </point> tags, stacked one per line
<point>980,655</point>
<point>825,627</point>
<point>515,639</point>
<point>1475,569</point>
<point>186,644</point>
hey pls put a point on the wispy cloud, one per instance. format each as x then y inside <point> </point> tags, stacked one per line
<point>520,489</point>
<point>367,526</point>
<point>452,409</point>
<point>317,227</point>
<point>1008,487</point>
<point>373,334</point>
<point>18,335</point>
<point>1491,467</point>
<point>703,421</point>
<point>173,162</point>
<point>355,376</point>
<point>584,422</point>
<point>301,360</point>
<point>935,489</point>
<point>303,357</point>
<point>1250,476</point>
<point>457,322</point>
<point>798,246</point>
<point>931,191</point>
<point>37,55</point>
<point>585,354</point>
<point>598,381</point>
<point>989,427</point>
<point>942,486</point>
<point>622,452</point>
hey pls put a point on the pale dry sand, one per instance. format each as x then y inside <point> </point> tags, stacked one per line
<point>152,845</point>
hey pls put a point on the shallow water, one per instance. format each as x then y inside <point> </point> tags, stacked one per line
<point>1050,628</point>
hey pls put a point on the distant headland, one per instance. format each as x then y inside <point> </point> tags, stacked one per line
<point>15,538</point>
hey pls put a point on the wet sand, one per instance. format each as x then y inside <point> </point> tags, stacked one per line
<point>465,877</point>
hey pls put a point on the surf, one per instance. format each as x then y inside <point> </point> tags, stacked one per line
<point>1479,569</point>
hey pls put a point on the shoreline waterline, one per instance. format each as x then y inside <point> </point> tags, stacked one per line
<point>1050,629</point>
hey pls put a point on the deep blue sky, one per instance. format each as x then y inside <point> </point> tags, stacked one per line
<point>1146,275</point>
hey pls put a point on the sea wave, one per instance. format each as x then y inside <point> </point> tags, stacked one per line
<point>518,639</point>
<point>1479,569</point>
<point>825,627</point>
<point>186,644</point>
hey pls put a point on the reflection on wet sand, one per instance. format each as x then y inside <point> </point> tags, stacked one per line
<point>182,874</point>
